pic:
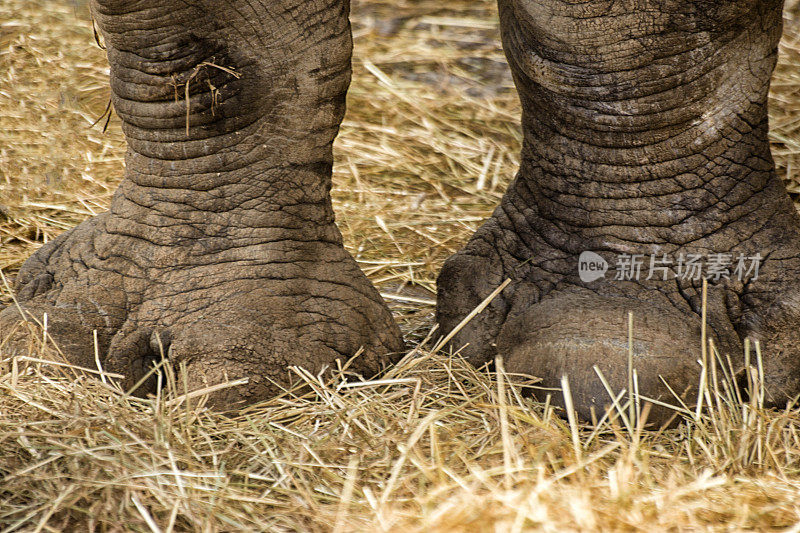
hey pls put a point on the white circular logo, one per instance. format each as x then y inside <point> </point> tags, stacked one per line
<point>591,266</point>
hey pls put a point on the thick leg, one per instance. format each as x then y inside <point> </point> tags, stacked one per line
<point>645,130</point>
<point>220,244</point>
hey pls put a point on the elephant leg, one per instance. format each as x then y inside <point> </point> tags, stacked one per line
<point>220,248</point>
<point>645,139</point>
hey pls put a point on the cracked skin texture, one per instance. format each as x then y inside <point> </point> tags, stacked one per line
<point>645,131</point>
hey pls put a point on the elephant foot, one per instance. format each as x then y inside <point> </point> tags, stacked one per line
<point>308,308</point>
<point>644,170</point>
<point>551,321</point>
<point>288,303</point>
<point>220,249</point>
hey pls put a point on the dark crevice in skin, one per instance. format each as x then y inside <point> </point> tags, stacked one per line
<point>625,153</point>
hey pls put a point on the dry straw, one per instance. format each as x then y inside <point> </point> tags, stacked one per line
<point>429,142</point>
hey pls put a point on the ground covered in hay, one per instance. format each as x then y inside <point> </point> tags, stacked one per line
<point>428,145</point>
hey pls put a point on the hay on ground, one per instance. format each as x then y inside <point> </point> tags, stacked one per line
<point>428,145</point>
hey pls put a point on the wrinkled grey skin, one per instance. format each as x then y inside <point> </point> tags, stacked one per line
<point>645,129</point>
<point>645,132</point>
<point>220,245</point>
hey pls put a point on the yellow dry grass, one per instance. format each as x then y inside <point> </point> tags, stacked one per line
<point>428,145</point>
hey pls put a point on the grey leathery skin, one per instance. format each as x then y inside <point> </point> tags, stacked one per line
<point>645,132</point>
<point>221,238</point>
